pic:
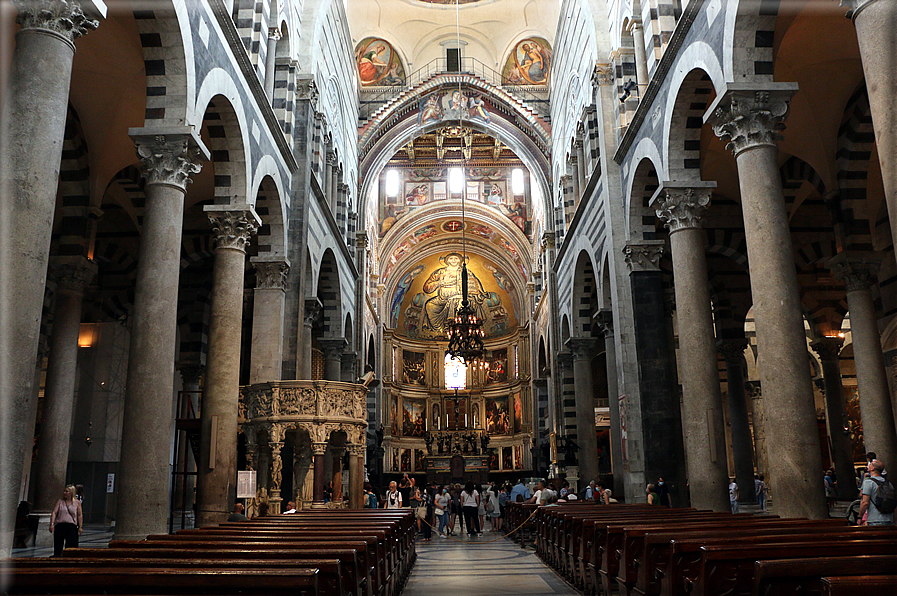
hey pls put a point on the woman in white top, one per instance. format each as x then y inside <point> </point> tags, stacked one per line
<point>493,508</point>
<point>470,503</point>
<point>443,504</point>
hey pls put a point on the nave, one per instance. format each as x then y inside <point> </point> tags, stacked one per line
<point>483,565</point>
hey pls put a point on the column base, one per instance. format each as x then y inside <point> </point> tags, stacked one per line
<point>43,538</point>
<point>318,505</point>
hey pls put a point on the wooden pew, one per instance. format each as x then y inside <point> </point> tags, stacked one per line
<point>330,571</point>
<point>252,581</point>
<point>786,577</point>
<point>731,561</point>
<point>860,584</point>
<point>649,555</point>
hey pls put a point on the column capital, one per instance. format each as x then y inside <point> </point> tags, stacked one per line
<point>681,205</point>
<point>572,159</point>
<point>274,33</point>
<point>644,255</point>
<point>361,239</point>
<point>357,450</point>
<point>308,91</point>
<point>854,7</point>
<point>857,269</point>
<point>828,348</point>
<point>732,349</point>
<point>190,372</point>
<point>232,227</point>
<point>73,273</point>
<point>319,448</point>
<point>169,156</point>
<point>64,18</point>
<point>342,187</point>
<point>313,308</point>
<point>604,319</point>
<point>565,360</point>
<point>333,347</point>
<point>270,273</point>
<point>583,348</point>
<point>603,74</point>
<point>749,115</point>
<point>548,240</point>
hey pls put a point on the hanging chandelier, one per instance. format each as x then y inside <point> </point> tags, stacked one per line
<point>465,334</point>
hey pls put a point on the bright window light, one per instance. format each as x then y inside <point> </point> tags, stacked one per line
<point>456,180</point>
<point>517,181</point>
<point>392,183</point>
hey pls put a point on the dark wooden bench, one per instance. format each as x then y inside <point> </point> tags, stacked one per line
<point>649,554</point>
<point>731,565</point>
<point>252,581</point>
<point>860,584</point>
<point>786,577</point>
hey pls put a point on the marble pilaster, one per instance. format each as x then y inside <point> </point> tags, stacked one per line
<point>681,207</point>
<point>266,356</point>
<point>858,270</point>
<point>169,158</point>
<point>749,117</point>
<point>232,229</point>
<point>828,349</point>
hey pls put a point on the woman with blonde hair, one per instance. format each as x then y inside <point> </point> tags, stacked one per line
<point>66,521</point>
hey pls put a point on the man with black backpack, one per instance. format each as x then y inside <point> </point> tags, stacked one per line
<point>879,499</point>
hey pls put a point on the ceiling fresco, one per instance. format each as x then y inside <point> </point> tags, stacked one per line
<point>378,63</point>
<point>529,63</point>
<point>428,295</point>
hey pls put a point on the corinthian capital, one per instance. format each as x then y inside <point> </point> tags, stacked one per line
<point>73,273</point>
<point>270,274</point>
<point>750,115</point>
<point>643,256</point>
<point>583,348</point>
<point>62,17</point>
<point>828,348</point>
<point>232,228</point>
<point>169,156</point>
<point>732,349</point>
<point>854,7</point>
<point>682,205</point>
<point>855,268</point>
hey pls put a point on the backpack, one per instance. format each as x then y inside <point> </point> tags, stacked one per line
<point>885,498</point>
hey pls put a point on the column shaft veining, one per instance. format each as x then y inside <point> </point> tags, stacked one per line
<point>749,118</point>
<point>681,205</point>
<point>169,159</point>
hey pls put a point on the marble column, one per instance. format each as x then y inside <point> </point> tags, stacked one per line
<point>33,126</point>
<point>73,274</point>
<point>858,270</point>
<point>169,159</point>
<point>329,177</point>
<point>232,229</point>
<point>681,206</point>
<point>876,24</point>
<point>266,357</point>
<point>342,207</point>
<point>641,59</point>
<point>347,367</point>
<point>605,321</point>
<point>274,498</point>
<point>583,349</point>
<point>742,443</point>
<point>312,312</point>
<point>184,484</point>
<point>577,184</point>
<point>757,419</point>
<point>333,348</point>
<point>270,66</point>
<point>318,450</point>
<point>829,349</point>
<point>579,147</point>
<point>356,475</point>
<point>659,411</point>
<point>336,476</point>
<point>749,119</point>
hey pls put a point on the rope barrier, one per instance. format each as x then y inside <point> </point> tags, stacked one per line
<point>449,536</point>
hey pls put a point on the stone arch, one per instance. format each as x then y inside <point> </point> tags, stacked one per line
<point>168,59</point>
<point>642,219</point>
<point>74,189</point>
<point>584,281</point>
<point>748,40</point>
<point>856,143</point>
<point>542,360</point>
<point>729,242</point>
<point>224,122</point>
<point>682,146</point>
<point>371,356</point>
<point>328,292</point>
<point>269,207</point>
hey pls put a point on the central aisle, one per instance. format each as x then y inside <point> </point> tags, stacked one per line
<point>446,567</point>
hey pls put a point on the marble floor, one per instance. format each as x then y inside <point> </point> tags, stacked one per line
<point>481,565</point>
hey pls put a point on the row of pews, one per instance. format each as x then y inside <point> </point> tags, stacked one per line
<point>329,553</point>
<point>653,551</point>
